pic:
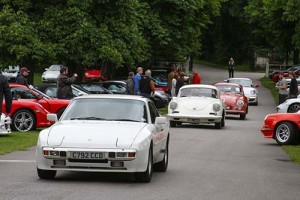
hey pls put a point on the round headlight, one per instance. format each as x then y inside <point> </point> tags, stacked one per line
<point>173,105</point>
<point>253,92</point>
<point>216,107</point>
<point>87,74</point>
<point>240,103</point>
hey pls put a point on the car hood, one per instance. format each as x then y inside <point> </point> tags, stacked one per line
<point>190,103</point>
<point>94,134</point>
<point>52,74</point>
<point>247,91</point>
<point>230,99</point>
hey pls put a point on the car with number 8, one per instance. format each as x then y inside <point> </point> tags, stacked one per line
<point>105,133</point>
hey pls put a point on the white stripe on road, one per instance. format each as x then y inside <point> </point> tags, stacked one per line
<point>17,161</point>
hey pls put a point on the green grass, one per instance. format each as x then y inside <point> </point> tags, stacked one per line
<point>163,111</point>
<point>292,150</point>
<point>18,141</point>
<point>37,78</point>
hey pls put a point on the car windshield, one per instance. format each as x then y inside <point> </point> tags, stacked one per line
<point>243,82</point>
<point>198,92</point>
<point>106,109</point>
<point>54,68</point>
<point>229,89</point>
<point>92,87</point>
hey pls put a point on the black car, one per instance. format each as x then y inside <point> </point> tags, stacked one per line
<point>92,87</point>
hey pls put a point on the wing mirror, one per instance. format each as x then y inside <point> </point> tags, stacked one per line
<point>46,69</point>
<point>40,97</point>
<point>52,117</point>
<point>160,120</point>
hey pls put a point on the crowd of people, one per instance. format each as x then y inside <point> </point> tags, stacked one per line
<point>282,87</point>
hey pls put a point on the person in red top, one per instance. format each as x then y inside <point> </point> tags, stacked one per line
<point>196,78</point>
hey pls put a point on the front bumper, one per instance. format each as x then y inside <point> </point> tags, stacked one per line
<point>252,99</point>
<point>267,131</point>
<point>194,119</point>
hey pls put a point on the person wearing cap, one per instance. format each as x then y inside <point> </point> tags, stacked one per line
<point>64,84</point>
<point>22,76</point>
<point>137,78</point>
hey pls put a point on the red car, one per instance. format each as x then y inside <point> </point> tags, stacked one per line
<point>92,74</point>
<point>27,115</point>
<point>283,127</point>
<point>32,95</point>
<point>235,101</point>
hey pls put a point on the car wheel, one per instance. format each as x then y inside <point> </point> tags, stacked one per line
<point>218,125</point>
<point>179,123</point>
<point>242,116</point>
<point>46,174</point>
<point>223,120</point>
<point>60,112</point>
<point>256,103</point>
<point>247,109</point>
<point>162,166</point>
<point>293,108</point>
<point>147,175</point>
<point>172,124</point>
<point>285,133</point>
<point>23,121</point>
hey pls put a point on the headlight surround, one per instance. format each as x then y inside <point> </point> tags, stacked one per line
<point>173,105</point>
<point>253,92</point>
<point>216,107</point>
<point>240,103</point>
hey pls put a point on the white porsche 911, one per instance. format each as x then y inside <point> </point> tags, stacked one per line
<point>289,106</point>
<point>197,104</point>
<point>105,133</point>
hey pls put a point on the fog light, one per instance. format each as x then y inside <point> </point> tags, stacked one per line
<point>59,162</point>
<point>117,164</point>
<point>54,153</point>
<point>121,154</point>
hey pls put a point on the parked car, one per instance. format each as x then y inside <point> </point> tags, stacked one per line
<point>134,138</point>
<point>50,89</point>
<point>50,74</point>
<point>283,127</point>
<point>31,94</point>
<point>11,73</point>
<point>27,115</point>
<point>289,106</point>
<point>249,88</point>
<point>235,101</point>
<point>92,73</point>
<point>160,98</point>
<point>197,104</point>
<point>92,87</point>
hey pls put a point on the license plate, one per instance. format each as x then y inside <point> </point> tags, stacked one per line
<point>86,155</point>
<point>193,120</point>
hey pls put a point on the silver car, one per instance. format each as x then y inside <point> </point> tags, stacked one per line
<point>51,73</point>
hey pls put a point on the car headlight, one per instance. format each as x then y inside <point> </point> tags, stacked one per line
<point>216,107</point>
<point>173,105</point>
<point>253,92</point>
<point>240,103</point>
<point>87,74</point>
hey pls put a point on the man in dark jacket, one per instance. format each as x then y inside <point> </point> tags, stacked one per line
<point>130,84</point>
<point>22,76</point>
<point>146,85</point>
<point>180,82</point>
<point>5,91</point>
<point>64,89</point>
<point>293,86</point>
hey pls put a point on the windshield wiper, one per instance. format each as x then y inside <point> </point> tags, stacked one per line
<point>87,118</point>
<point>129,120</point>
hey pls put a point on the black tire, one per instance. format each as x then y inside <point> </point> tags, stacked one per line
<point>46,174</point>
<point>256,103</point>
<point>223,120</point>
<point>286,133</point>
<point>172,124</point>
<point>179,123</point>
<point>247,109</point>
<point>293,108</point>
<point>23,120</point>
<point>60,112</point>
<point>146,175</point>
<point>218,125</point>
<point>162,166</point>
<point>242,116</point>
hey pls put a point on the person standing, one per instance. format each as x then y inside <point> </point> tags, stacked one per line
<point>282,88</point>
<point>6,93</point>
<point>180,82</point>
<point>196,78</point>
<point>64,89</point>
<point>293,86</point>
<point>170,78</point>
<point>137,78</point>
<point>231,68</point>
<point>130,83</point>
<point>22,76</point>
<point>174,81</point>
<point>146,85</point>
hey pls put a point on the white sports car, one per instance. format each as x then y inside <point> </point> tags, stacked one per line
<point>105,133</point>
<point>249,88</point>
<point>289,106</point>
<point>197,104</point>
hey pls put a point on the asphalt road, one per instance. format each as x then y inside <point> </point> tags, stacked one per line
<point>232,163</point>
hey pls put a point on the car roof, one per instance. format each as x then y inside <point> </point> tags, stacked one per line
<point>229,84</point>
<point>113,96</point>
<point>239,79</point>
<point>199,86</point>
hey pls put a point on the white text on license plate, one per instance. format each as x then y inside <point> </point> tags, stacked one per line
<point>86,155</point>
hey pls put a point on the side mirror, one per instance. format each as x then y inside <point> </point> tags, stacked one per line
<point>52,117</point>
<point>160,120</point>
<point>81,94</point>
<point>46,69</point>
<point>40,97</point>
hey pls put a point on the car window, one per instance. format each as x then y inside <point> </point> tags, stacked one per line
<point>153,111</point>
<point>21,93</point>
<point>55,67</point>
<point>198,92</point>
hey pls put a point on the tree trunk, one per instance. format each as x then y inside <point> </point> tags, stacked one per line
<point>296,57</point>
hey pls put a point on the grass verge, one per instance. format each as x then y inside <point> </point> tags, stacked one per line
<point>292,150</point>
<point>18,141</point>
<point>163,111</point>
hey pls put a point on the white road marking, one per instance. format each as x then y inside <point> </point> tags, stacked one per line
<point>17,161</point>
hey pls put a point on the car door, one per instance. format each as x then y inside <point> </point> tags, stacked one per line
<point>159,131</point>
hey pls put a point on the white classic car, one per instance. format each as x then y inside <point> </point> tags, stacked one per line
<point>249,88</point>
<point>197,104</point>
<point>105,133</point>
<point>289,106</point>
